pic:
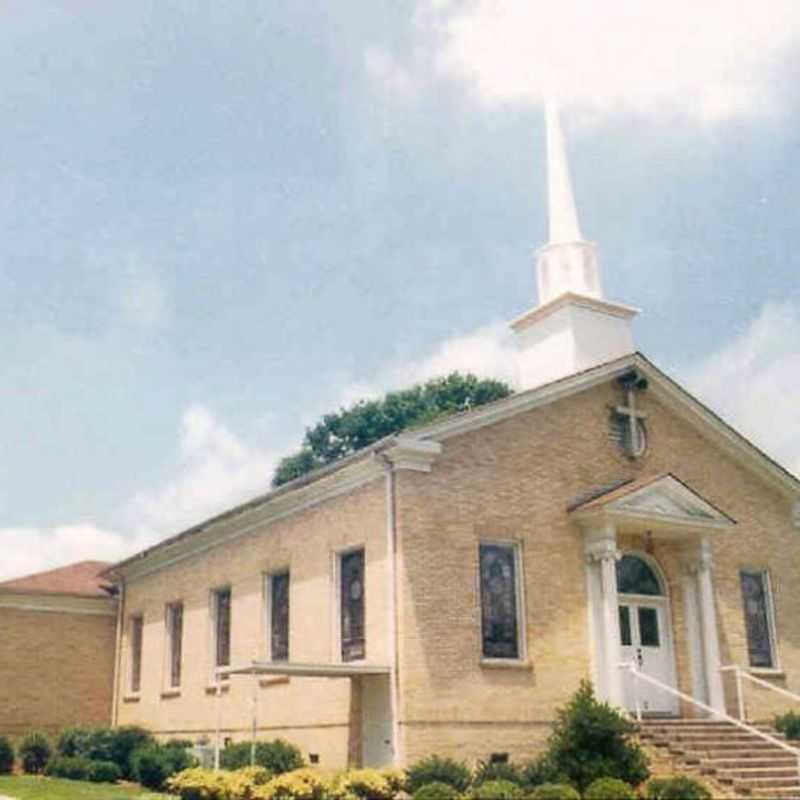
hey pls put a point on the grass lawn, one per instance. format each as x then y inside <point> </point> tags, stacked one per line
<point>35,788</point>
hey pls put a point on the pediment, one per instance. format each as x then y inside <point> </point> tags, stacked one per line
<point>663,498</point>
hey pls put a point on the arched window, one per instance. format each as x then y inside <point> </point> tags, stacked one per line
<point>636,576</point>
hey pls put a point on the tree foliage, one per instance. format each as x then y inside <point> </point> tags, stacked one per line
<point>351,429</point>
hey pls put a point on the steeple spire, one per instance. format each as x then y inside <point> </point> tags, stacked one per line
<point>562,214</point>
<point>567,263</point>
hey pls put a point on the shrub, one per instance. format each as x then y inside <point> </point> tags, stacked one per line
<point>678,788</point>
<point>124,742</point>
<point>540,771</point>
<point>278,756</point>
<point>609,789</point>
<point>300,784</point>
<point>592,740</point>
<point>436,790</point>
<point>434,769</point>
<point>75,768</point>
<point>34,752</point>
<point>103,772</point>
<point>199,784</point>
<point>243,783</point>
<point>498,771</point>
<point>6,756</point>
<point>151,765</point>
<point>789,724</point>
<point>496,790</point>
<point>396,779</point>
<point>367,784</point>
<point>555,791</point>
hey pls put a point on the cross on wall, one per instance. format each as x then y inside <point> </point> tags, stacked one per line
<point>632,384</point>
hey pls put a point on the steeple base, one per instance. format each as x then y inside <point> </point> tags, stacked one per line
<point>570,334</point>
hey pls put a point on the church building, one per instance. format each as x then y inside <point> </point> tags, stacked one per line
<point>446,589</point>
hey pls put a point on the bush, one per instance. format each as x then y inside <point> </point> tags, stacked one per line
<point>124,742</point>
<point>678,788</point>
<point>6,756</point>
<point>434,769</point>
<point>396,779</point>
<point>497,790</point>
<point>555,791</point>
<point>609,789</point>
<point>152,764</point>
<point>104,772</point>
<point>592,740</point>
<point>540,771</point>
<point>366,784</point>
<point>436,790</point>
<point>300,784</point>
<point>278,756</point>
<point>75,768</point>
<point>498,771</point>
<point>199,784</point>
<point>789,724</point>
<point>34,752</point>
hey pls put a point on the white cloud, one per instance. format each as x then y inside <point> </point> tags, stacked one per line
<point>487,352</point>
<point>754,382</point>
<point>28,550</point>
<point>390,75</point>
<point>217,470</point>
<point>707,60</point>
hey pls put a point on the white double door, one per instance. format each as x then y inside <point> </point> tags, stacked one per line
<point>645,639</point>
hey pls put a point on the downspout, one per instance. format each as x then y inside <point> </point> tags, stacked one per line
<point>115,694</point>
<point>392,626</point>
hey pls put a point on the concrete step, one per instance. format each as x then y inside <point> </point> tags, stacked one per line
<point>762,785</point>
<point>748,761</point>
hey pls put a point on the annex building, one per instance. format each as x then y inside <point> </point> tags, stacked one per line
<point>447,588</point>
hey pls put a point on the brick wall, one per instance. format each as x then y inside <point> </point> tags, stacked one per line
<point>55,669</point>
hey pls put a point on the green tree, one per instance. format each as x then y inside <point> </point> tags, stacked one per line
<point>350,429</point>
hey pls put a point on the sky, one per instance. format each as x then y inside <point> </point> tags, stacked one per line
<point>221,220</point>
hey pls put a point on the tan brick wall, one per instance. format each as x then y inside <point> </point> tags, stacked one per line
<point>513,480</point>
<point>55,669</point>
<point>315,713</point>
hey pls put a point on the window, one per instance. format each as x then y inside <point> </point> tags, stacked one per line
<point>636,576</point>
<point>174,644</point>
<point>221,610</point>
<point>351,599</point>
<point>758,620</point>
<point>278,588</point>
<point>499,590</point>
<point>136,632</point>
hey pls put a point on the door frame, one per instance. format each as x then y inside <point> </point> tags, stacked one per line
<point>664,601</point>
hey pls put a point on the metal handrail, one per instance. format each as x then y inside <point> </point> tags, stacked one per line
<point>743,673</point>
<point>638,675</point>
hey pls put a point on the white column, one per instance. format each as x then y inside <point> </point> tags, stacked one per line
<point>708,623</point>
<point>602,553</point>
<point>694,633</point>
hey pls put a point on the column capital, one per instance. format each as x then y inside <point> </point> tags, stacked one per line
<point>600,544</point>
<point>699,559</point>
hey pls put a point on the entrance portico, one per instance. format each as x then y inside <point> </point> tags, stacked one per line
<point>630,606</point>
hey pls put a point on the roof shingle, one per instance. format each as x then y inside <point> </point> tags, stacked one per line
<point>82,578</point>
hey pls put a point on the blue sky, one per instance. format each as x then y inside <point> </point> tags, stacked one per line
<point>218,221</point>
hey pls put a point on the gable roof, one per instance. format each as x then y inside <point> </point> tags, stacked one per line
<point>82,579</point>
<point>355,469</point>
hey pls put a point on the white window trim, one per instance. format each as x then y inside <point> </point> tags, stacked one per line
<point>522,637</point>
<point>336,616</point>
<point>212,632</point>
<point>776,667</point>
<point>169,643</point>
<point>267,594</point>
<point>130,691</point>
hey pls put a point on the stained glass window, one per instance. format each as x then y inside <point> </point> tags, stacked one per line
<point>499,625</point>
<point>279,613</point>
<point>636,576</point>
<point>175,642</point>
<point>222,627</point>
<point>756,618</point>
<point>137,630</point>
<point>352,606</point>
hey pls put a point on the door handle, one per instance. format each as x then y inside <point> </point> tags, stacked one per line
<point>639,658</point>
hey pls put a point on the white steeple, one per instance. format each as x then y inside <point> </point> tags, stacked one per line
<point>566,263</point>
<point>573,328</point>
